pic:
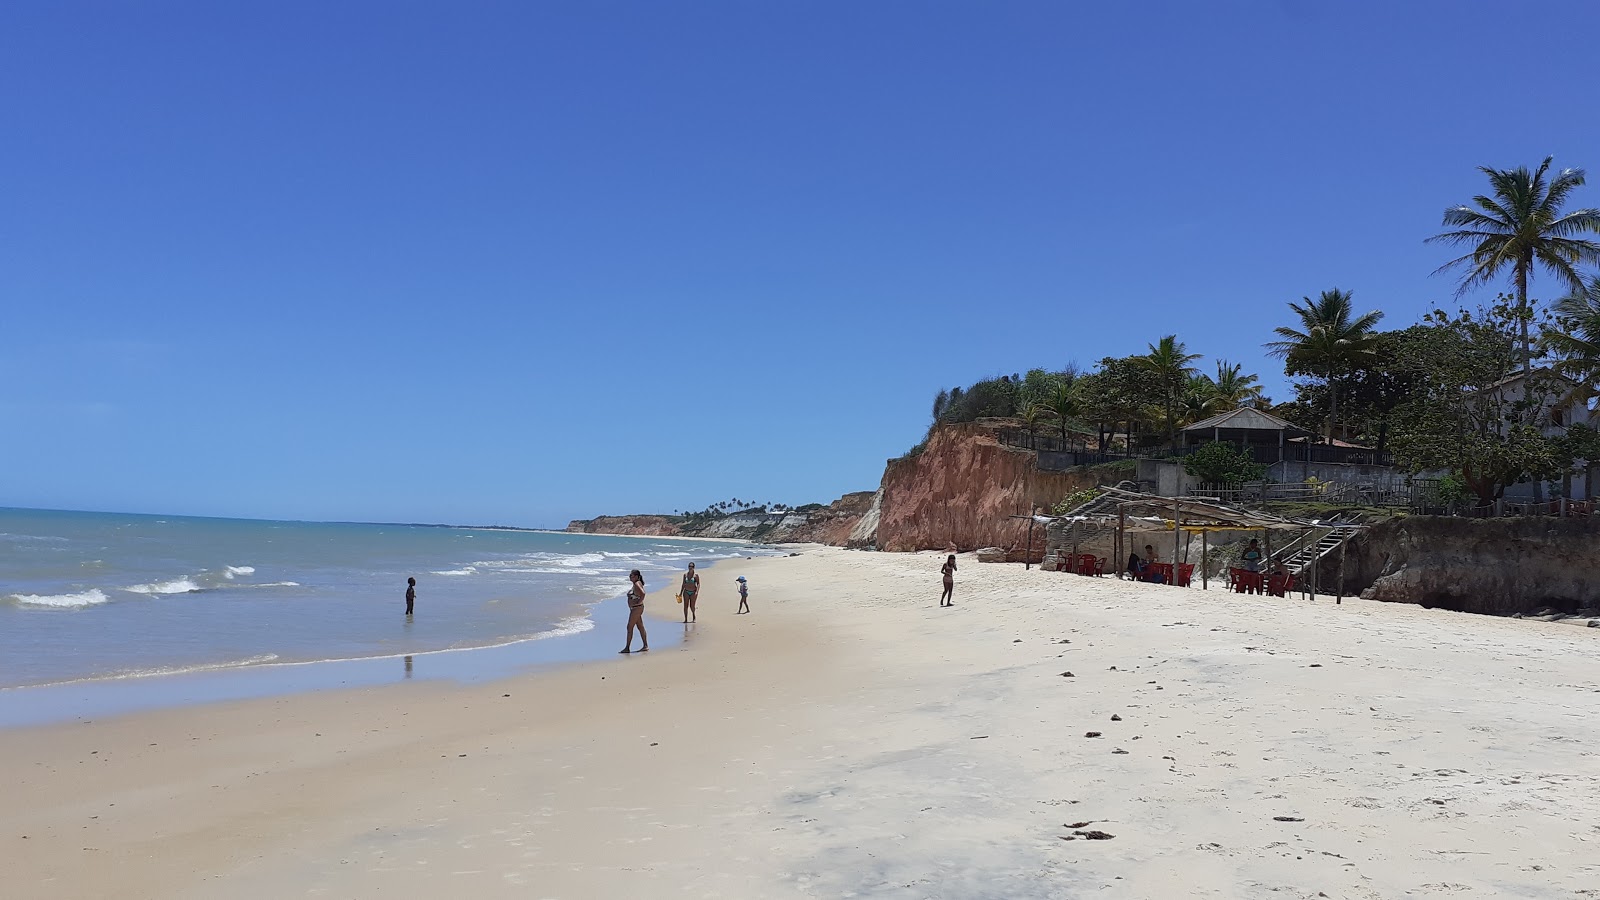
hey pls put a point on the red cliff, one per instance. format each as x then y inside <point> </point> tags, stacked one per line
<point>962,490</point>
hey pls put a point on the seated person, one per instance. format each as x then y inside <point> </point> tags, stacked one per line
<point>1278,581</point>
<point>1135,566</point>
<point>1148,572</point>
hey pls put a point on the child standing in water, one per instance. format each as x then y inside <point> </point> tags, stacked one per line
<point>411,594</point>
<point>744,596</point>
<point>948,570</point>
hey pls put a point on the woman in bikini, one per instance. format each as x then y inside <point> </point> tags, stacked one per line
<point>948,570</point>
<point>636,613</point>
<point>690,590</point>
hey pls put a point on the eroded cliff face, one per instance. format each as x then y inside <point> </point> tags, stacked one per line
<point>834,523</point>
<point>648,526</point>
<point>1495,566</point>
<point>961,490</point>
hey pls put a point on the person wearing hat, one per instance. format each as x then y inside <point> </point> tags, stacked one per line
<point>691,590</point>
<point>744,596</point>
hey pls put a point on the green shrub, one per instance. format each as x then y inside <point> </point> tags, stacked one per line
<point>1222,463</point>
<point>1074,500</point>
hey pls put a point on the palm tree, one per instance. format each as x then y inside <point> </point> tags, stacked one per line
<point>1169,361</point>
<point>1062,404</point>
<point>1520,225</point>
<point>1235,388</point>
<point>1331,342</point>
<point>1201,400</point>
<point>1033,413</point>
<point>1576,344</point>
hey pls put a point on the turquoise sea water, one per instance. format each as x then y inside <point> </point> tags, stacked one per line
<point>98,597</point>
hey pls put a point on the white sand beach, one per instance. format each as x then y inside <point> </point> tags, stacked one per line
<point>850,738</point>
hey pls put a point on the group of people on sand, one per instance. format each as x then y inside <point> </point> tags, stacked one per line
<point>688,595</point>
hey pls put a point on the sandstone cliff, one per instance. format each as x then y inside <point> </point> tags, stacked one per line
<point>961,490</point>
<point>1497,566</point>
<point>649,526</point>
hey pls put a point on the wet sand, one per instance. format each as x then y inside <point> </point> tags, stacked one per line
<point>851,738</point>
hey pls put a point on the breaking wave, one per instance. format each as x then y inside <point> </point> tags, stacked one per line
<point>175,586</point>
<point>91,597</point>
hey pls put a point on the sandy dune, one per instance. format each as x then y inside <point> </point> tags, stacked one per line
<point>852,739</point>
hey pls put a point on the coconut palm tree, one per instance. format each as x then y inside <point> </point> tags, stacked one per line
<point>1576,343</point>
<point>1033,413</point>
<point>1063,405</point>
<point>1329,343</point>
<point>1170,363</point>
<point>1201,400</point>
<point>1521,224</point>
<point>1235,388</point>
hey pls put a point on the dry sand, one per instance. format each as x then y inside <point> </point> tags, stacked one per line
<point>850,738</point>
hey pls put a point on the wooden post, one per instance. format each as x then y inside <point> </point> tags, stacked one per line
<point>1122,524</point>
<point>1177,516</point>
<point>1339,588</point>
<point>1306,590</point>
<point>1314,567</point>
<point>1205,550</point>
<point>1027,554</point>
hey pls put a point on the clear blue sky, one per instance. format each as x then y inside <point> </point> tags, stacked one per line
<point>519,262</point>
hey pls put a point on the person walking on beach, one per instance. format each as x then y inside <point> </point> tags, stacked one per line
<point>411,594</point>
<point>744,596</point>
<point>636,613</point>
<point>691,590</point>
<point>948,570</point>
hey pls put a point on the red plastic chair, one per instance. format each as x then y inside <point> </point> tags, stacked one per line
<point>1086,564</point>
<point>1100,567</point>
<point>1185,573</point>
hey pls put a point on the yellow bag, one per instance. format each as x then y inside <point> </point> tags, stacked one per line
<point>680,598</point>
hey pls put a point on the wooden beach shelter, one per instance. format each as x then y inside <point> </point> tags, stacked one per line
<point>1184,517</point>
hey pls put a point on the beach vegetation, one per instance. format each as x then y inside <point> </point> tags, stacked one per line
<point>1518,226</point>
<point>1074,500</point>
<point>1464,417</point>
<point>1235,388</point>
<point>1574,341</point>
<point>1118,392</point>
<point>1169,365</point>
<point>1330,343</point>
<point>1034,415</point>
<point>1222,463</point>
<point>1064,407</point>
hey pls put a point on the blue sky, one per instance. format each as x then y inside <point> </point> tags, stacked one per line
<point>519,262</point>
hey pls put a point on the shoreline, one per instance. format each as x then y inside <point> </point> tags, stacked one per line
<point>849,737</point>
<point>33,705</point>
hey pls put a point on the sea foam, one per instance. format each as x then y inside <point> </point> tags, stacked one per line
<point>63,601</point>
<point>175,586</point>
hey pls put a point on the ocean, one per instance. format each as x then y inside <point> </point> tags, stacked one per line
<point>101,597</point>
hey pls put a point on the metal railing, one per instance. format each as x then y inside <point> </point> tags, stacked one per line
<point>1080,446</point>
